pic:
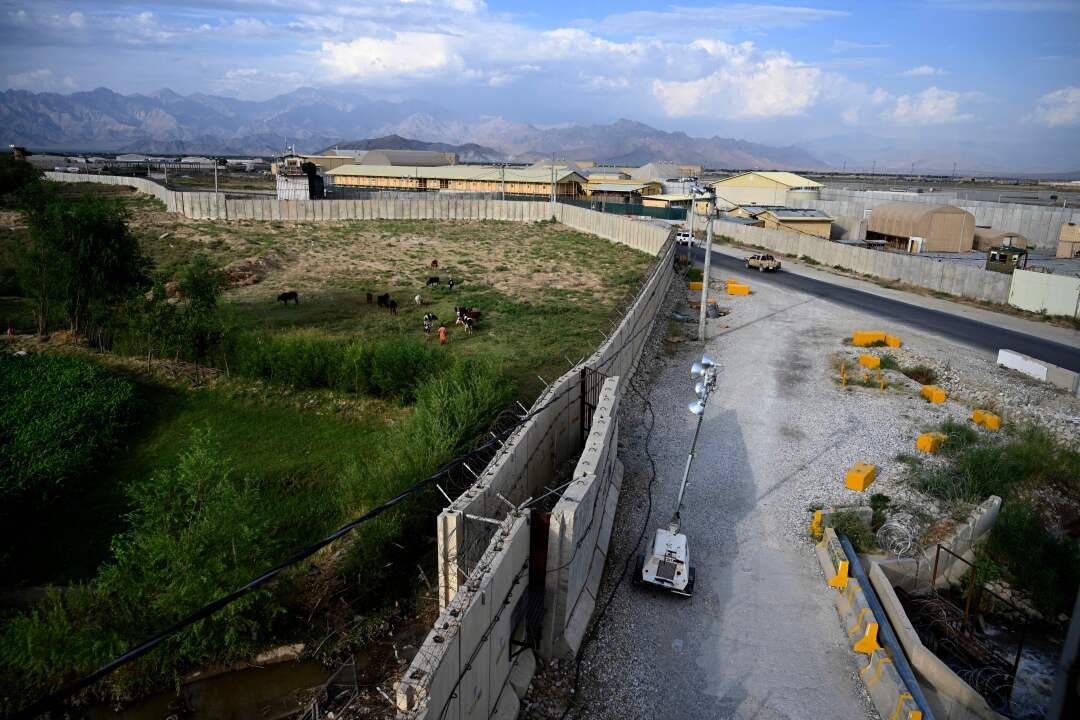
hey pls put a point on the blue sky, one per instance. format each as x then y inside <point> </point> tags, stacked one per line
<point>922,78</point>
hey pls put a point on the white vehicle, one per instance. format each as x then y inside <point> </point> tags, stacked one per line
<point>683,237</point>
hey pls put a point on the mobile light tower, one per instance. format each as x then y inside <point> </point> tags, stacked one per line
<point>667,566</point>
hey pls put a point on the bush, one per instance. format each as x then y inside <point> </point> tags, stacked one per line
<point>1046,566</point>
<point>59,415</point>
<point>855,529</point>
<point>921,374</point>
<point>196,533</point>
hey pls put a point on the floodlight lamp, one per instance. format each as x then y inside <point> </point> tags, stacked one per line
<point>707,362</point>
<point>697,407</point>
<point>699,388</point>
<point>696,371</point>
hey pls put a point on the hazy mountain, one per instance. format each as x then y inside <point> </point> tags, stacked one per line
<point>467,152</point>
<point>313,119</point>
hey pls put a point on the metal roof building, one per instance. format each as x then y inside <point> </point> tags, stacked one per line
<point>458,178</point>
<point>943,228</point>
<point>763,188</point>
<point>405,158</point>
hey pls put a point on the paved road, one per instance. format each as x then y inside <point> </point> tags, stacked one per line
<point>970,332</point>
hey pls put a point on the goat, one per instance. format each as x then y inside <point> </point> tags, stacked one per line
<point>285,297</point>
<point>418,300</point>
<point>433,280</point>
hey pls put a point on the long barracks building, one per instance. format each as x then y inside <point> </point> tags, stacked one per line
<point>458,178</point>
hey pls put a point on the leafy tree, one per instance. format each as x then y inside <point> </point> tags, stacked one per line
<point>200,285</point>
<point>80,257</point>
<point>16,174</point>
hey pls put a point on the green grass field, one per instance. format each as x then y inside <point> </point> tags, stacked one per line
<point>320,456</point>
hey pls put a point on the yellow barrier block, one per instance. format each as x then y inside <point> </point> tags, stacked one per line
<point>929,442</point>
<point>695,285</point>
<point>862,338</point>
<point>815,525</point>
<point>840,579</point>
<point>892,341</point>
<point>870,361</point>
<point>860,476</point>
<point>977,416</point>
<point>868,644</point>
<point>933,394</point>
<point>738,289</point>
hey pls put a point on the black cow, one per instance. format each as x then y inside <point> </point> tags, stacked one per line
<point>393,307</point>
<point>383,300</point>
<point>433,280</point>
<point>285,297</point>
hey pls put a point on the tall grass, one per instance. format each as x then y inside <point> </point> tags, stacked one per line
<point>391,367</point>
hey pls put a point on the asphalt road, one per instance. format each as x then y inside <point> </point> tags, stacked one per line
<point>969,332</point>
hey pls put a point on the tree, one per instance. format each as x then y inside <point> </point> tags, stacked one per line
<point>16,174</point>
<point>200,285</point>
<point>80,257</point>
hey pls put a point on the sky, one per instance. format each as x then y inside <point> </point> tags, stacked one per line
<point>927,76</point>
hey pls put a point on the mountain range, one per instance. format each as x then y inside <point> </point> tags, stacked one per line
<point>311,119</point>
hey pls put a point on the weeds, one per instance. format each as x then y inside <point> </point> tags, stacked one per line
<point>879,503</point>
<point>1030,557</point>
<point>852,526</point>
<point>921,374</point>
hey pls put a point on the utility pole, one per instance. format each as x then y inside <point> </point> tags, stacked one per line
<point>553,184</point>
<point>705,270</point>
<point>215,176</point>
<point>165,167</point>
<point>502,168</point>
<point>873,168</point>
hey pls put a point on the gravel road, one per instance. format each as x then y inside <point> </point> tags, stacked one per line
<point>760,638</point>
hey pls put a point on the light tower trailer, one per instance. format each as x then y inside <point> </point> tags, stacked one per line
<point>667,566</point>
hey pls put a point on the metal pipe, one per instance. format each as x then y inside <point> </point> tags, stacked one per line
<point>885,629</point>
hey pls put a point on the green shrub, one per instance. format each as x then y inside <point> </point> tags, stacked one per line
<point>1035,560</point>
<point>879,503</point>
<point>855,529</point>
<point>59,415</point>
<point>196,533</point>
<point>694,274</point>
<point>921,374</point>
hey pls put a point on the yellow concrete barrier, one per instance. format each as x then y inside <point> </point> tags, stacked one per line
<point>929,442</point>
<point>892,341</point>
<point>987,419</point>
<point>695,285</point>
<point>933,394</point>
<point>738,289</point>
<point>868,644</point>
<point>870,361</point>
<point>860,476</point>
<point>815,525</point>
<point>863,338</point>
<point>840,579</point>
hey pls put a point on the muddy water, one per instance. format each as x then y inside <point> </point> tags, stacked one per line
<point>262,693</point>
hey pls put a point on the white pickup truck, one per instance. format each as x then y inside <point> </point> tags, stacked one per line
<point>683,237</point>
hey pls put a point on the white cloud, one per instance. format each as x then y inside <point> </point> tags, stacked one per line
<point>932,106</point>
<point>1061,107</point>
<point>845,45</point>
<point>404,55</point>
<point>39,80</point>
<point>923,71</point>
<point>720,20</point>
<point>745,84</point>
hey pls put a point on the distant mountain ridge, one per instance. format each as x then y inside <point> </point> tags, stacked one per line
<point>467,152</point>
<point>312,119</point>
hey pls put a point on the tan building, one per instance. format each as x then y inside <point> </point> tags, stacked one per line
<point>667,201</point>
<point>632,191</point>
<point>763,188</point>
<point>458,178</point>
<point>803,220</point>
<point>1069,241</point>
<point>942,228</point>
<point>986,238</point>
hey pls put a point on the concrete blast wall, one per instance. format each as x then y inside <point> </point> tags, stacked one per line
<point>1040,225</point>
<point>530,456</point>
<point>579,532</point>
<point>1041,292</point>
<point>945,277</point>
<point>463,669</point>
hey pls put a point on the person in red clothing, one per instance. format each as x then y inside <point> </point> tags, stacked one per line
<point>442,334</point>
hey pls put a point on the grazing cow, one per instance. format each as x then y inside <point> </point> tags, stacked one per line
<point>393,307</point>
<point>433,280</point>
<point>370,298</point>
<point>418,300</point>
<point>451,284</point>
<point>383,300</point>
<point>468,322</point>
<point>285,297</point>
<point>434,264</point>
<point>429,318</point>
